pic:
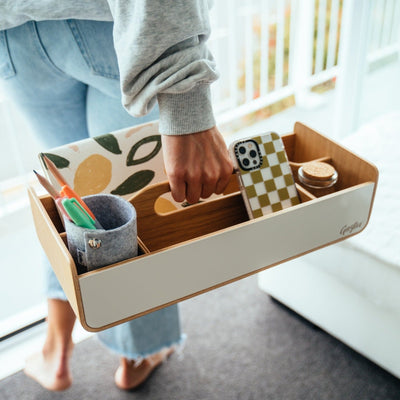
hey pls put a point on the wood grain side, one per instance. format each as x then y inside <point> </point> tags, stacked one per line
<point>55,248</point>
<point>159,231</point>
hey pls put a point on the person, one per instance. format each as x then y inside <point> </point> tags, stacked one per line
<point>77,69</point>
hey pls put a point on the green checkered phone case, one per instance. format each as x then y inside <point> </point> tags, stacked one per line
<point>264,174</point>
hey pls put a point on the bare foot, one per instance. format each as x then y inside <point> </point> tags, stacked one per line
<point>50,369</point>
<point>128,376</point>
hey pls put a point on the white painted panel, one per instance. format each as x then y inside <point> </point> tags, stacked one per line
<point>139,285</point>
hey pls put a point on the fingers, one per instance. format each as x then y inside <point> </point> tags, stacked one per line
<point>186,185</point>
<point>178,189</point>
<point>195,188</point>
<point>225,177</point>
<point>208,184</point>
<point>198,186</point>
<point>222,184</point>
<point>193,192</point>
<point>197,165</point>
<point>207,191</point>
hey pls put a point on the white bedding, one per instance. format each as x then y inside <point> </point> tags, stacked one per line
<point>369,276</point>
<point>370,261</point>
<point>379,142</point>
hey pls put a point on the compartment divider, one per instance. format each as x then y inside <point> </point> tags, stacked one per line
<point>304,194</point>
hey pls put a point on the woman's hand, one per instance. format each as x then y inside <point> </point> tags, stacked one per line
<point>197,164</point>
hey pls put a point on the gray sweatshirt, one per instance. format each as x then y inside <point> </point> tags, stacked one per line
<point>161,50</point>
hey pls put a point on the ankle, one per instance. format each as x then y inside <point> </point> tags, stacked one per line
<point>60,348</point>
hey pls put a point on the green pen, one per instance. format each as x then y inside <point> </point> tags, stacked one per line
<point>78,214</point>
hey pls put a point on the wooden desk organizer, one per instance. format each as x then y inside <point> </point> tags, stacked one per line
<point>204,246</point>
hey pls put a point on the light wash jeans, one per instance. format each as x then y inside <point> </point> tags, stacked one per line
<point>63,76</point>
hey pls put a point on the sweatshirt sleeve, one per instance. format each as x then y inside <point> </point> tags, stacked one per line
<point>162,55</point>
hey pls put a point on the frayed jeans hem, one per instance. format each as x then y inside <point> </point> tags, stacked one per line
<point>178,345</point>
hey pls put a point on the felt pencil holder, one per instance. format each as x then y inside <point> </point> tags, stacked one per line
<point>117,241</point>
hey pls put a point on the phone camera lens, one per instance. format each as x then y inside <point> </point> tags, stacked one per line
<point>242,149</point>
<point>253,153</point>
<point>246,162</point>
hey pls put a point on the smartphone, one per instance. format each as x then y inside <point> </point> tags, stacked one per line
<point>264,174</point>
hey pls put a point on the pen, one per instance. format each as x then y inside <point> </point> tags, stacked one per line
<point>52,191</point>
<point>66,190</point>
<point>78,214</point>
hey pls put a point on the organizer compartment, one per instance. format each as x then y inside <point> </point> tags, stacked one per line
<point>306,145</point>
<point>212,243</point>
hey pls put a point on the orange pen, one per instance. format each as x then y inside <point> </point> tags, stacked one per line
<point>66,190</point>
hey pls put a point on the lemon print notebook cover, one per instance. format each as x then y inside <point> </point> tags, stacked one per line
<point>264,174</point>
<point>120,162</point>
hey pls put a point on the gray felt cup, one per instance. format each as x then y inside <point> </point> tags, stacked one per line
<point>116,241</point>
